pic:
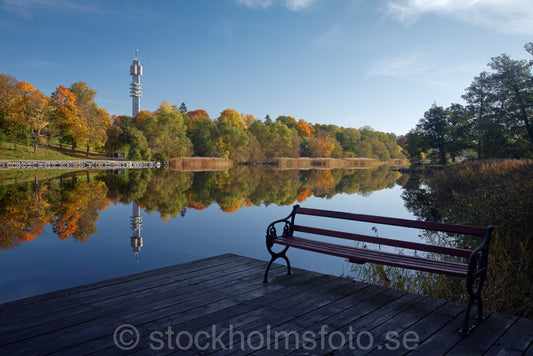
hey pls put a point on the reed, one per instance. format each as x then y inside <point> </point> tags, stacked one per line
<point>199,164</point>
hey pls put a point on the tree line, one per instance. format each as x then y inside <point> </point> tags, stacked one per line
<point>71,116</point>
<point>175,132</point>
<point>496,122</point>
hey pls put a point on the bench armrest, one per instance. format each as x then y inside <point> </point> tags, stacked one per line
<point>272,233</point>
<point>288,226</point>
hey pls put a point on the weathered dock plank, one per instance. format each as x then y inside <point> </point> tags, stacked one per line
<point>220,306</point>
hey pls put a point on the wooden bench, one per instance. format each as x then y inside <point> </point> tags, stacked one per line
<point>474,267</point>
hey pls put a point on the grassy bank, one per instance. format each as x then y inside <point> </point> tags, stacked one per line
<point>10,151</point>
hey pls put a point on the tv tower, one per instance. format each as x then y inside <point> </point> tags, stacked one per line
<point>136,70</point>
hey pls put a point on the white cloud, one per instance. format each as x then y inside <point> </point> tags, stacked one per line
<point>332,38</point>
<point>26,8</point>
<point>298,5</point>
<point>510,16</point>
<point>256,4</point>
<point>398,67</point>
<point>292,5</point>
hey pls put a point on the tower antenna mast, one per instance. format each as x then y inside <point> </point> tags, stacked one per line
<point>136,71</point>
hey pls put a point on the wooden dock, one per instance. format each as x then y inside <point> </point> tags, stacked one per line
<point>219,305</point>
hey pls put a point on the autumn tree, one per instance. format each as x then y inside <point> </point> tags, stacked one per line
<point>76,212</point>
<point>322,145</point>
<point>197,115</point>
<point>31,111</point>
<point>24,212</point>
<point>8,125</point>
<point>232,137</point>
<point>304,129</point>
<point>93,121</point>
<point>249,119</point>
<point>233,117</point>
<point>7,98</point>
<point>64,116</point>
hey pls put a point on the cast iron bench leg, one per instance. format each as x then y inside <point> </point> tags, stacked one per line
<point>275,256</point>
<point>475,297</point>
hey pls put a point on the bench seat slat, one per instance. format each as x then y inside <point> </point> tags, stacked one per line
<point>372,256</point>
<point>458,252</point>
<point>389,257</point>
<point>461,229</point>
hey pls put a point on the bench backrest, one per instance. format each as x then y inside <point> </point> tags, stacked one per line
<point>460,229</point>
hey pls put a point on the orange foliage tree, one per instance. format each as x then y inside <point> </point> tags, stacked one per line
<point>24,213</point>
<point>32,111</point>
<point>77,211</point>
<point>65,113</point>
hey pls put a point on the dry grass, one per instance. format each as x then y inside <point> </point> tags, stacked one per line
<point>199,164</point>
<point>498,192</point>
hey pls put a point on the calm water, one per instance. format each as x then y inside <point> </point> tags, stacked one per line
<point>73,230</point>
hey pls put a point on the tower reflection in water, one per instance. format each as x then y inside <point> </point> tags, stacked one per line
<point>136,225</point>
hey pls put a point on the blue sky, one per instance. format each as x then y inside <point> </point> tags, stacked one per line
<point>352,63</point>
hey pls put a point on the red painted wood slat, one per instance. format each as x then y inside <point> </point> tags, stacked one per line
<point>461,229</point>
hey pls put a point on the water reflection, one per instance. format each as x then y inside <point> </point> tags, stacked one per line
<point>136,239</point>
<point>71,203</point>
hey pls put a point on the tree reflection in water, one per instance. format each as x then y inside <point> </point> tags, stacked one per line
<point>71,203</point>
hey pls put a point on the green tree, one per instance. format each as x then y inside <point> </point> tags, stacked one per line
<point>514,93</point>
<point>232,140</point>
<point>479,98</point>
<point>348,139</point>
<point>435,127</point>
<point>276,139</point>
<point>416,144</point>
<point>166,132</point>
<point>135,144</point>
<point>202,133</point>
<point>460,130</point>
<point>288,121</point>
<point>113,143</point>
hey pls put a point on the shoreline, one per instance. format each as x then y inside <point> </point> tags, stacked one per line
<point>76,164</point>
